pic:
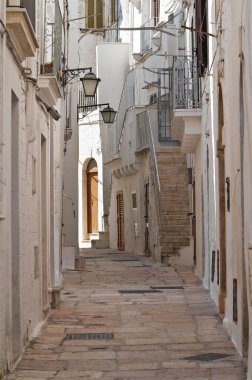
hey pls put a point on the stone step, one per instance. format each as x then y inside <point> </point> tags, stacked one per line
<point>176,197</point>
<point>168,149</point>
<point>173,209</point>
<point>177,229</point>
<point>174,159</point>
<point>172,170</point>
<point>165,224</point>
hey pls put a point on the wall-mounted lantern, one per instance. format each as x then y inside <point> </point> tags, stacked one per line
<point>89,81</point>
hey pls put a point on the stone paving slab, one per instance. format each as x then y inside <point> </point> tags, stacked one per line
<point>158,333</point>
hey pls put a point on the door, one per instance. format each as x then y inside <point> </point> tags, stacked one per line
<point>92,197</point>
<point>146,217</point>
<point>120,221</point>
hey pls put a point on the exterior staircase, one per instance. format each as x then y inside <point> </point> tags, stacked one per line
<point>96,240</point>
<point>174,220</point>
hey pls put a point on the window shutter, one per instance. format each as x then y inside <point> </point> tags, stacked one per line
<point>202,45</point>
<point>156,11</point>
<point>90,11</point>
<point>94,13</point>
<point>120,221</point>
<point>99,14</point>
<point>113,11</point>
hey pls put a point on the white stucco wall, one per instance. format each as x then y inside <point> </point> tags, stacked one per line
<point>22,122</point>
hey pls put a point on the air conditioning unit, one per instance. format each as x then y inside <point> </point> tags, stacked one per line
<point>14,3</point>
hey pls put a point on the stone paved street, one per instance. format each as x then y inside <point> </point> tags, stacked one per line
<point>127,317</point>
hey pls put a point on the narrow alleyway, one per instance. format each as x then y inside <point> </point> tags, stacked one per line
<point>127,317</point>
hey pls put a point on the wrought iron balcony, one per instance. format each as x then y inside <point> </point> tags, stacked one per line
<point>186,89</point>
<point>85,104</point>
<point>186,83</point>
<point>146,36</point>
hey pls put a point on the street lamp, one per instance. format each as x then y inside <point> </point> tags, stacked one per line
<point>89,81</point>
<point>108,114</point>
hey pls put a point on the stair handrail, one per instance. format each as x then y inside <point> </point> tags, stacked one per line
<point>154,167</point>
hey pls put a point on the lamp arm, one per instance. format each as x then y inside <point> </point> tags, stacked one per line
<point>69,74</point>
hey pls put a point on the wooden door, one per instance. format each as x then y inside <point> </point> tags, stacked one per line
<point>92,201</point>
<point>120,222</point>
<point>146,217</point>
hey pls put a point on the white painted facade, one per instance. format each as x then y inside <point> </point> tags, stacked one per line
<point>222,166</point>
<point>31,152</point>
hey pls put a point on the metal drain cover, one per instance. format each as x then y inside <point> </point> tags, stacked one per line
<point>89,336</point>
<point>208,357</point>
<point>140,291</point>
<point>167,287</point>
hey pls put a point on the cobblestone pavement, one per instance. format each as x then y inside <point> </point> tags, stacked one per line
<point>127,317</point>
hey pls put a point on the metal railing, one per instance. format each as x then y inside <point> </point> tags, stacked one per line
<point>52,55</point>
<point>146,36</point>
<point>186,85</point>
<point>144,140</point>
<point>127,100</point>
<point>85,103</point>
<point>177,86</point>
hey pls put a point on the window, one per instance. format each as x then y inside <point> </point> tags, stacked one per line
<point>134,200</point>
<point>94,14</point>
<point>34,176</point>
<point>202,43</point>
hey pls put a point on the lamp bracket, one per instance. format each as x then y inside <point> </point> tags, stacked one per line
<point>69,74</point>
<point>90,107</point>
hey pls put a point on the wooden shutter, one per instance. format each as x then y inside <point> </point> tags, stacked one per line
<point>94,13</point>
<point>113,11</point>
<point>156,11</point>
<point>120,221</point>
<point>90,11</point>
<point>99,14</point>
<point>202,43</point>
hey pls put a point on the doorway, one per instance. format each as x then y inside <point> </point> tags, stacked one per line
<point>92,197</point>
<point>222,207</point>
<point>146,217</point>
<point>120,221</point>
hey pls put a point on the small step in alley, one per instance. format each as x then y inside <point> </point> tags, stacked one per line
<point>129,317</point>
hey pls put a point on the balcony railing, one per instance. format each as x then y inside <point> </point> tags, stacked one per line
<point>146,36</point>
<point>85,103</point>
<point>144,139</point>
<point>52,56</point>
<point>186,85</point>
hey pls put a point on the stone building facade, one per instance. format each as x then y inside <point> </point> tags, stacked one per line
<point>31,169</point>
